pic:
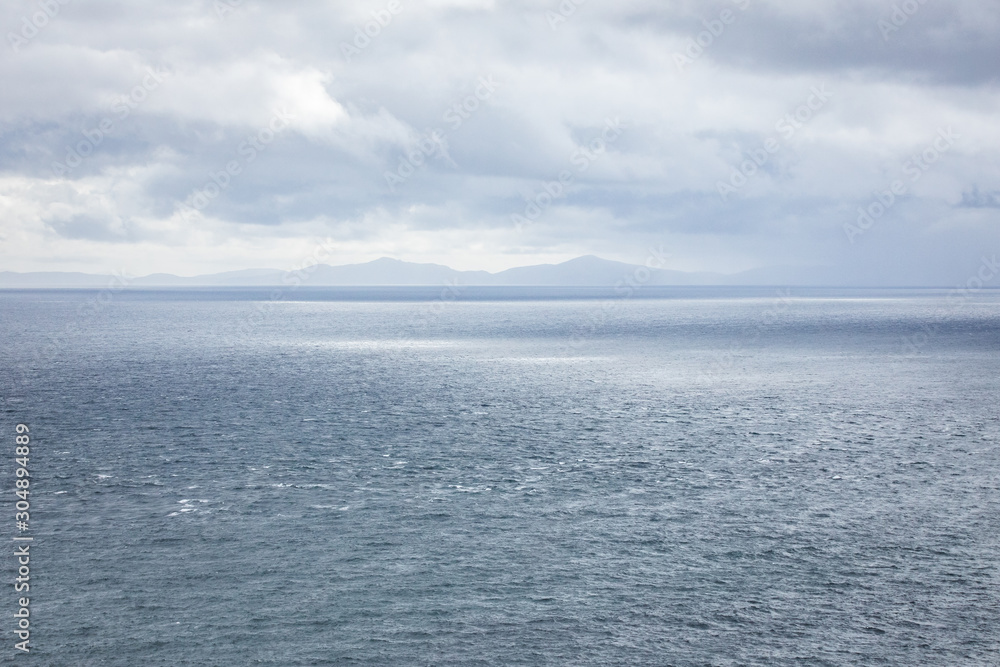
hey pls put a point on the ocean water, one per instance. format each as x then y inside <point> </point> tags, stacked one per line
<point>559,477</point>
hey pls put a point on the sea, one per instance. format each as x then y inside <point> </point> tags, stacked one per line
<point>503,476</point>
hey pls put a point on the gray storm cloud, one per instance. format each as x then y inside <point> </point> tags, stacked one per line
<point>469,132</point>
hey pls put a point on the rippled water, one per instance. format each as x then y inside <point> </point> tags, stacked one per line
<point>387,478</point>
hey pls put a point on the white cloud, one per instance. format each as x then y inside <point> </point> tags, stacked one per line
<point>220,81</point>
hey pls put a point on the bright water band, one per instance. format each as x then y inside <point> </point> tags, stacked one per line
<point>387,478</point>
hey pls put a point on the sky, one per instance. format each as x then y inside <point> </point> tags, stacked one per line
<point>196,136</point>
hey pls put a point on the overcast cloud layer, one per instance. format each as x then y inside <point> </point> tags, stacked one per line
<point>199,136</point>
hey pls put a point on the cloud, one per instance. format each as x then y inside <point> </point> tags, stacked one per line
<point>126,112</point>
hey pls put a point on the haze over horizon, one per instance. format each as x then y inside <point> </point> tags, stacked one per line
<point>501,332</point>
<point>489,134</point>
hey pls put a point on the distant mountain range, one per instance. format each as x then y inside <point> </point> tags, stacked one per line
<point>586,271</point>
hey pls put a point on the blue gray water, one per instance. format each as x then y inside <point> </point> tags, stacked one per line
<point>385,477</point>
